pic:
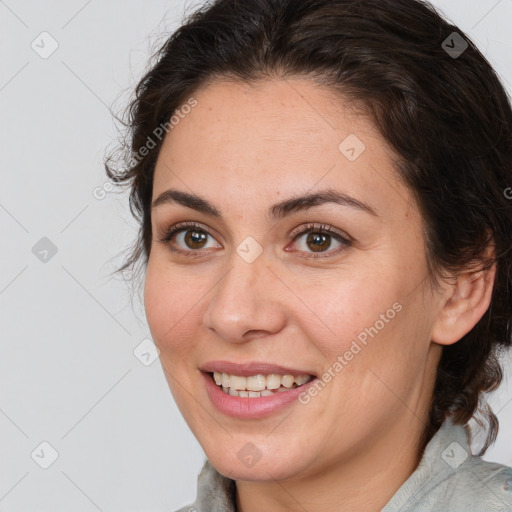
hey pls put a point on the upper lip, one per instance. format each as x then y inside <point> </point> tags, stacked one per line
<point>253,368</point>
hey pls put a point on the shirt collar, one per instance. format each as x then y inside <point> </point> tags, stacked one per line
<point>445,452</point>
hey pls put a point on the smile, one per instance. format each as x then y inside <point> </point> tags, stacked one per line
<point>255,386</point>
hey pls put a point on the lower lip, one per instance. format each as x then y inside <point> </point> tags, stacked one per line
<point>251,408</point>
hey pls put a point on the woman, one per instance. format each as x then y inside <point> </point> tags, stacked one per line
<point>326,240</point>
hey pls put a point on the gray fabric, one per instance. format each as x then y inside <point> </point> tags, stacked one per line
<point>448,479</point>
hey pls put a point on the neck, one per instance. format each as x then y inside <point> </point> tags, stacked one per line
<point>364,482</point>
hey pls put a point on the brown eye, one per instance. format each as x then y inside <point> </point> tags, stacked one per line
<point>318,242</point>
<point>195,239</point>
<point>320,239</point>
<point>186,237</point>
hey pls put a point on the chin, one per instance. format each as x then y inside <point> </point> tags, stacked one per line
<point>266,469</point>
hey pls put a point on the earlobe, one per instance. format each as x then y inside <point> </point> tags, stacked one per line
<point>468,300</point>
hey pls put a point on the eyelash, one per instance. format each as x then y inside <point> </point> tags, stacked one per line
<point>325,229</point>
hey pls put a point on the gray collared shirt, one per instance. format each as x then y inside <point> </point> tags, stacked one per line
<point>448,479</point>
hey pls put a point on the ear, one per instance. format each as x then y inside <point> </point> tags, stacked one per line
<point>464,303</point>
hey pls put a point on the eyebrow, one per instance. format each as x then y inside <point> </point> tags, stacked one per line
<point>277,211</point>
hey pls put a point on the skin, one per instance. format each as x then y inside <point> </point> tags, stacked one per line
<point>244,148</point>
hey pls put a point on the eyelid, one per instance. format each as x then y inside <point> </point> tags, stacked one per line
<point>345,241</point>
<point>321,227</point>
<point>168,233</point>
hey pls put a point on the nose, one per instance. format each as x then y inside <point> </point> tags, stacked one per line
<point>247,302</point>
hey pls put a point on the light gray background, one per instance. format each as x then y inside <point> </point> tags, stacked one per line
<point>68,374</point>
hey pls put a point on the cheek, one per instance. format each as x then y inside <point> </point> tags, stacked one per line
<point>169,304</point>
<point>370,331</point>
<point>345,307</point>
<point>156,301</point>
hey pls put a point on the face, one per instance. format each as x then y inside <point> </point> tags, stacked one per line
<point>334,289</point>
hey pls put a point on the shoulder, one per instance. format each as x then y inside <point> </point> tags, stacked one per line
<point>450,478</point>
<point>476,485</point>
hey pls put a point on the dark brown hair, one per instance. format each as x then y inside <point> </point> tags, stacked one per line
<point>447,117</point>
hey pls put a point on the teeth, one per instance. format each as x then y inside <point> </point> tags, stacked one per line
<point>258,385</point>
<point>287,381</point>
<point>256,382</point>
<point>302,379</point>
<point>237,382</point>
<point>273,381</point>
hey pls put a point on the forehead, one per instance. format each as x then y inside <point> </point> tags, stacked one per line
<point>276,138</point>
<point>275,112</point>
